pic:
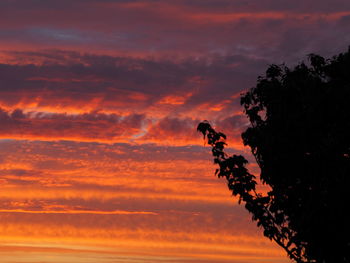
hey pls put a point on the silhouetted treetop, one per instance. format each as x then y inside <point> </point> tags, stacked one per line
<point>300,137</point>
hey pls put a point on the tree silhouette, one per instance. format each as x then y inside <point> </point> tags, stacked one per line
<point>300,137</point>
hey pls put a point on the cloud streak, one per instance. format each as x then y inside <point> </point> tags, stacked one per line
<point>81,127</point>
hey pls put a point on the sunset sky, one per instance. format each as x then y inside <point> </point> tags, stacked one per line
<point>100,161</point>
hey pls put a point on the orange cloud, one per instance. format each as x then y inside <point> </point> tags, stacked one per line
<point>125,240</point>
<point>175,99</point>
<point>76,212</point>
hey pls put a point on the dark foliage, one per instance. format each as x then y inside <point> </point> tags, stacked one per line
<point>300,137</point>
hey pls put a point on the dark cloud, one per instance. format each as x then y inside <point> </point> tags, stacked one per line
<point>180,28</point>
<point>207,5</point>
<point>19,172</point>
<point>87,126</point>
<point>64,79</point>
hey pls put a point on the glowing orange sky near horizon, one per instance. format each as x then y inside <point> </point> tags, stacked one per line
<point>79,201</point>
<point>100,160</point>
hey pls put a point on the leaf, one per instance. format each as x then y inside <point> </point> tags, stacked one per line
<point>222,135</point>
<point>203,127</point>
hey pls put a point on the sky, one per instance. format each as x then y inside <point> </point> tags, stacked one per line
<point>100,160</point>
